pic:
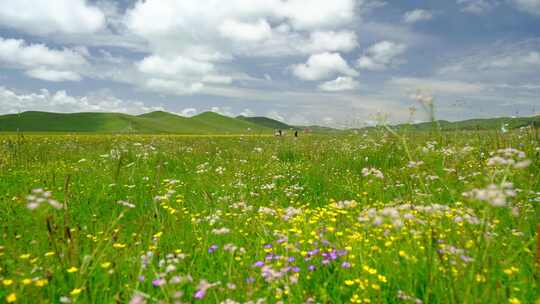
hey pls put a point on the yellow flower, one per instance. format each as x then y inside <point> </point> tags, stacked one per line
<point>7,282</point>
<point>12,297</point>
<point>105,265</point>
<point>50,253</point>
<point>349,282</point>
<point>27,281</point>
<point>72,269</point>
<point>514,301</point>
<point>119,245</point>
<point>480,278</point>
<point>24,256</point>
<point>41,282</point>
<point>75,291</point>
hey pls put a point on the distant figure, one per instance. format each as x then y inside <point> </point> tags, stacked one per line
<point>296,133</point>
<point>280,132</point>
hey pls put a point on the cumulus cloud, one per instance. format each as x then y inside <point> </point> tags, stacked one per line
<point>339,84</point>
<point>323,66</point>
<point>60,101</point>
<point>381,56</point>
<point>41,62</point>
<point>417,15</point>
<point>322,41</point>
<point>173,67</point>
<point>44,17</point>
<point>243,31</point>
<point>188,112</point>
<point>528,6</point>
<point>53,75</point>
<point>476,7</point>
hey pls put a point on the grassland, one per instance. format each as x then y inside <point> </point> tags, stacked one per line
<point>373,217</point>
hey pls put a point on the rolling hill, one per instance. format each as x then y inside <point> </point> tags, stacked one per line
<point>266,122</point>
<point>206,123</point>
<point>154,122</point>
<point>480,124</point>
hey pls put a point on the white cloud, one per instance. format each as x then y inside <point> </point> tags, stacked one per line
<point>528,6</point>
<point>226,111</point>
<point>53,75</point>
<point>173,87</point>
<point>188,112</point>
<point>51,16</point>
<point>61,101</point>
<point>174,67</point>
<point>339,84</point>
<point>17,52</point>
<point>242,31</point>
<point>41,62</point>
<point>323,66</point>
<point>247,113</point>
<point>381,56</point>
<point>477,7</point>
<point>417,15</point>
<point>330,41</point>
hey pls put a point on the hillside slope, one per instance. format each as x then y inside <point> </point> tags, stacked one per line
<point>154,122</point>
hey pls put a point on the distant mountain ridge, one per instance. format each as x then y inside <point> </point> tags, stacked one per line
<point>153,122</point>
<point>206,123</point>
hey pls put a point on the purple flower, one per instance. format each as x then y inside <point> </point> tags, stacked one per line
<point>250,280</point>
<point>296,269</point>
<point>141,278</point>
<point>346,265</point>
<point>159,282</point>
<point>258,264</point>
<point>290,259</point>
<point>311,267</point>
<point>267,246</point>
<point>212,248</point>
<point>199,294</point>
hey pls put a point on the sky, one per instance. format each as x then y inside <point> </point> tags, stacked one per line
<point>338,63</point>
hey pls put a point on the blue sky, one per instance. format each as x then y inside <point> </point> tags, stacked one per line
<point>340,62</point>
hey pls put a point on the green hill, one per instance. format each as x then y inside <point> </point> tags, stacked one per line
<point>154,122</point>
<point>480,124</point>
<point>266,122</point>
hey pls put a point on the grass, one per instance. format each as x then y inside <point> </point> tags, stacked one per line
<point>373,217</point>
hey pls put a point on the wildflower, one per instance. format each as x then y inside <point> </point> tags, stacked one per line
<point>159,282</point>
<point>126,204</point>
<point>7,282</point>
<point>119,245</point>
<point>212,248</point>
<point>514,301</point>
<point>39,196</point>
<point>137,299</point>
<point>65,299</point>
<point>72,269</point>
<point>12,297</point>
<point>75,291</point>
<point>105,265</point>
<point>495,195</point>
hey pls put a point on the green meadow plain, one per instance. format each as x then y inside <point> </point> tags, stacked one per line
<point>374,216</point>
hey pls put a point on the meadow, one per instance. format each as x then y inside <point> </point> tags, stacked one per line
<point>366,217</point>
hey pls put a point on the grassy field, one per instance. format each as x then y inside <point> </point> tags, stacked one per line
<point>372,217</point>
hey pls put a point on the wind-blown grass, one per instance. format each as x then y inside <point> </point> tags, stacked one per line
<point>374,217</point>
